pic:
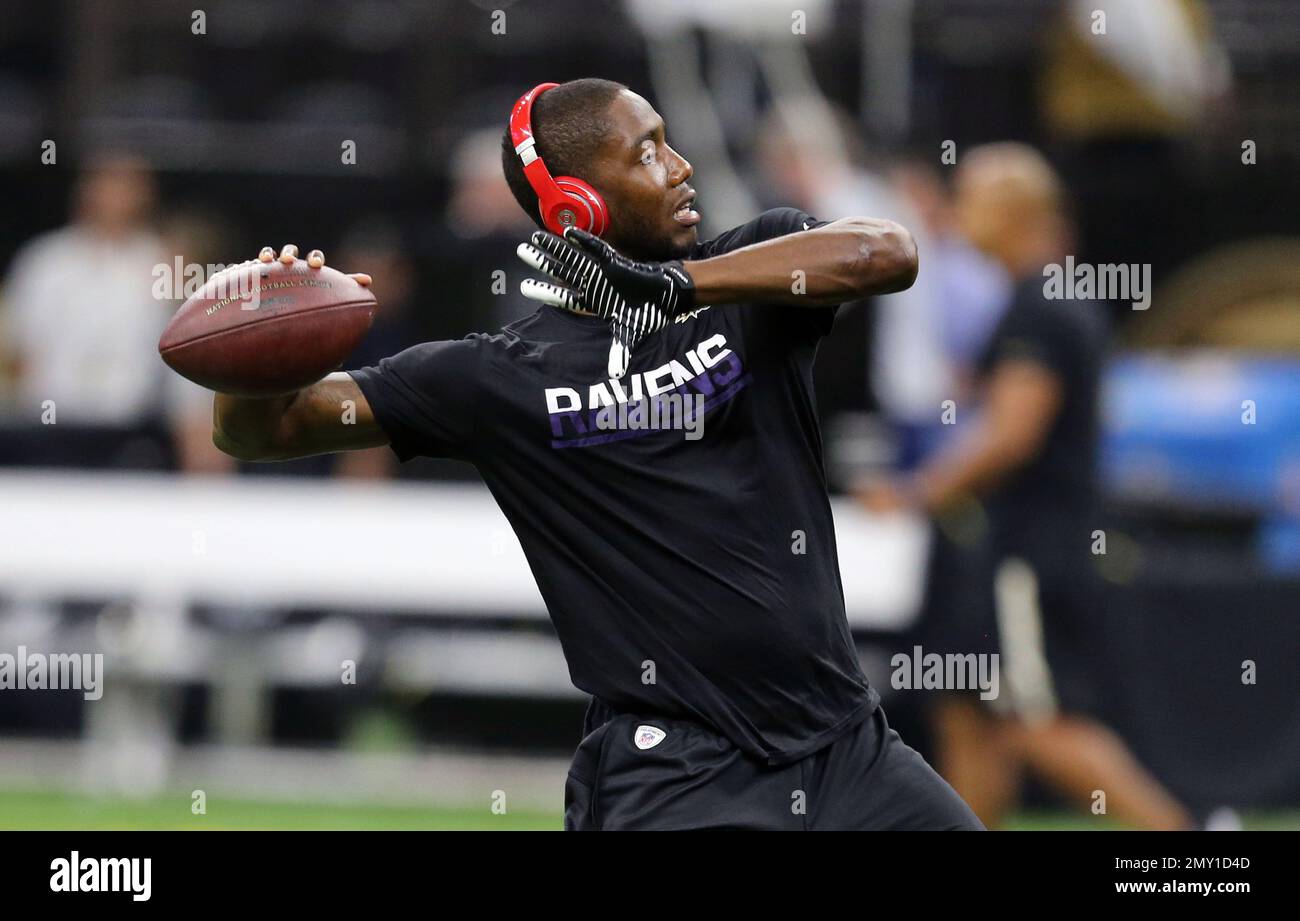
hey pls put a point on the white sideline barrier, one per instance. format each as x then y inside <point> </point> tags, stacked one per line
<point>424,548</point>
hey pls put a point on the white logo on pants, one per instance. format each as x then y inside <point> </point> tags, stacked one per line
<point>648,736</point>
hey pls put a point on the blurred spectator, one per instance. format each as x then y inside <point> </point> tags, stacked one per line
<point>83,326</point>
<point>83,319</point>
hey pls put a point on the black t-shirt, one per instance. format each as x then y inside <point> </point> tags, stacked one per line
<point>1046,510</point>
<point>685,577</point>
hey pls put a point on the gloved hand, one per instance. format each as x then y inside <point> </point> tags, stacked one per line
<point>637,298</point>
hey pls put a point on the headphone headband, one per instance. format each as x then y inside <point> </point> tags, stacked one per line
<point>521,118</point>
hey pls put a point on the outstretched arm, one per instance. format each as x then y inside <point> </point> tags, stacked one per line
<point>842,261</point>
<point>330,415</point>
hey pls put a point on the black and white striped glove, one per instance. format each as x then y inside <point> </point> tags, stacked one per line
<point>636,298</point>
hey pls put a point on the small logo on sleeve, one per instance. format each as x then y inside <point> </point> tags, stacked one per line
<point>648,736</point>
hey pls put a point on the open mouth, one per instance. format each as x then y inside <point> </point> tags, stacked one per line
<point>686,215</point>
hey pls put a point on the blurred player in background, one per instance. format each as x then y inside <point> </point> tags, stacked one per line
<point>694,583</point>
<point>1031,455</point>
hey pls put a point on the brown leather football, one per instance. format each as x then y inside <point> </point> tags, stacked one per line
<point>259,329</point>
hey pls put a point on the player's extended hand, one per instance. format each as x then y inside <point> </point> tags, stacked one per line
<point>315,259</point>
<point>637,298</point>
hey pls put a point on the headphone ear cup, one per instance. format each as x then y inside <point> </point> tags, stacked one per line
<point>591,215</point>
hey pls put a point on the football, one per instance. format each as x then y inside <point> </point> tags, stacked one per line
<point>260,329</point>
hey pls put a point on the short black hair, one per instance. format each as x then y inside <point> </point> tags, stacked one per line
<point>569,124</point>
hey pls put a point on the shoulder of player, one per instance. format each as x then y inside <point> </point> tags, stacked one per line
<point>517,341</point>
<point>776,222</point>
<point>773,223</point>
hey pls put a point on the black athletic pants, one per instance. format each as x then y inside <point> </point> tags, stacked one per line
<point>648,773</point>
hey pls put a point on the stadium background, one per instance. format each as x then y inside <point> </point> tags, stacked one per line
<point>225,600</point>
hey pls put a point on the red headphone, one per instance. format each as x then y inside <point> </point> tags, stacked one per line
<point>563,201</point>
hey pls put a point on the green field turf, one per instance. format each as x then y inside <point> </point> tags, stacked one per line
<point>64,811</point>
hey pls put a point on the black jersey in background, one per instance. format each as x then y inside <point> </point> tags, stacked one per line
<point>1047,509</point>
<point>692,578</point>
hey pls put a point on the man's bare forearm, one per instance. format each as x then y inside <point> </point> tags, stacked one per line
<point>330,415</point>
<point>843,261</point>
<point>246,427</point>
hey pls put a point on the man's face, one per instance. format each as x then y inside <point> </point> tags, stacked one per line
<point>1010,209</point>
<point>644,183</point>
<point>116,194</point>
<point>981,212</point>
